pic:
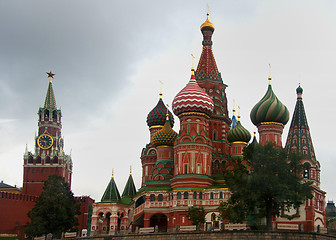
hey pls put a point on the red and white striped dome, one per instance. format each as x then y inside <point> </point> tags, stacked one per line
<point>192,98</point>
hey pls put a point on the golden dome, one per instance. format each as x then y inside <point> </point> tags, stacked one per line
<point>207,23</point>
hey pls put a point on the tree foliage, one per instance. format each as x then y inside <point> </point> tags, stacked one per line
<point>197,215</point>
<point>55,210</point>
<point>269,180</point>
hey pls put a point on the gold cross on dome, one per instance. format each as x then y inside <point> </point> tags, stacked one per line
<point>161,84</point>
<point>192,61</point>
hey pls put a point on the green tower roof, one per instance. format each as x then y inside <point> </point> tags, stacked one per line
<point>129,190</point>
<point>50,102</point>
<point>299,138</point>
<point>111,193</point>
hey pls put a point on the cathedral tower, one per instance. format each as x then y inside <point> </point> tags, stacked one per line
<point>48,157</point>
<point>299,140</point>
<point>155,121</point>
<point>193,147</point>
<point>210,80</point>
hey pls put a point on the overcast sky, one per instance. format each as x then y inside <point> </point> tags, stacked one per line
<point>108,57</point>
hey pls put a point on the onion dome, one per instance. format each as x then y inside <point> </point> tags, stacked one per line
<point>192,98</point>
<point>299,89</point>
<point>238,133</point>
<point>269,109</point>
<point>207,24</point>
<point>158,115</point>
<point>164,137</point>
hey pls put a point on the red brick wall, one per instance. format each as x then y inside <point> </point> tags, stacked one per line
<point>13,212</point>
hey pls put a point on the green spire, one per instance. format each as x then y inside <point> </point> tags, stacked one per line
<point>299,138</point>
<point>50,102</point>
<point>129,190</point>
<point>111,193</point>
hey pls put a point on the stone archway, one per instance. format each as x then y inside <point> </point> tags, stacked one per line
<point>159,220</point>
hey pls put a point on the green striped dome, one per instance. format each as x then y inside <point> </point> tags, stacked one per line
<point>269,109</point>
<point>238,134</point>
<point>165,137</point>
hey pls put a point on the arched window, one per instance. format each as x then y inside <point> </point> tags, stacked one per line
<point>54,115</point>
<point>179,195</point>
<point>195,195</point>
<point>200,196</point>
<point>306,171</point>
<point>160,197</point>
<point>152,197</point>
<point>46,113</point>
<point>30,159</point>
<point>221,195</point>
<point>223,165</point>
<point>185,195</point>
<point>185,169</point>
<point>214,134</point>
<point>216,165</point>
<point>212,195</point>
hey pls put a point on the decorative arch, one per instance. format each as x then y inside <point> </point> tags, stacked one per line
<point>159,220</point>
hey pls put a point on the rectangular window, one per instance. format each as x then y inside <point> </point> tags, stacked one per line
<point>185,169</point>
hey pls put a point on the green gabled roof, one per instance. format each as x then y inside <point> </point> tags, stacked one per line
<point>50,101</point>
<point>129,190</point>
<point>111,193</point>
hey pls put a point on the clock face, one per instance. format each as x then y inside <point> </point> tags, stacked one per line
<point>60,143</point>
<point>45,141</point>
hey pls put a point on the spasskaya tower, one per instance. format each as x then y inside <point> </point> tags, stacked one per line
<point>48,157</point>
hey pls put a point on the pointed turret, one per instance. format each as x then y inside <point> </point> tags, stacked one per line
<point>111,193</point>
<point>50,102</point>
<point>129,190</point>
<point>299,138</point>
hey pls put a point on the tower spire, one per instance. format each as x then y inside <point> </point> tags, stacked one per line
<point>299,138</point>
<point>50,102</point>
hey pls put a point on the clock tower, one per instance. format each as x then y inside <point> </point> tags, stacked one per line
<point>48,157</point>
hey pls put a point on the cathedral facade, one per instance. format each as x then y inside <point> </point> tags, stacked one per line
<point>185,169</point>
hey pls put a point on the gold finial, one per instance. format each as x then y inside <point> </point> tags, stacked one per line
<point>161,83</point>
<point>167,114</point>
<point>192,62</point>
<point>130,169</point>
<point>254,133</point>
<point>299,84</point>
<point>112,172</point>
<point>50,75</point>
<point>238,113</point>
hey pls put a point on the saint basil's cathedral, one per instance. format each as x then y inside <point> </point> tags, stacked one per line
<point>185,169</point>
<point>179,170</point>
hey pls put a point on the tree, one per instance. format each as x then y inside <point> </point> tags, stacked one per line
<point>267,179</point>
<point>196,215</point>
<point>55,210</point>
